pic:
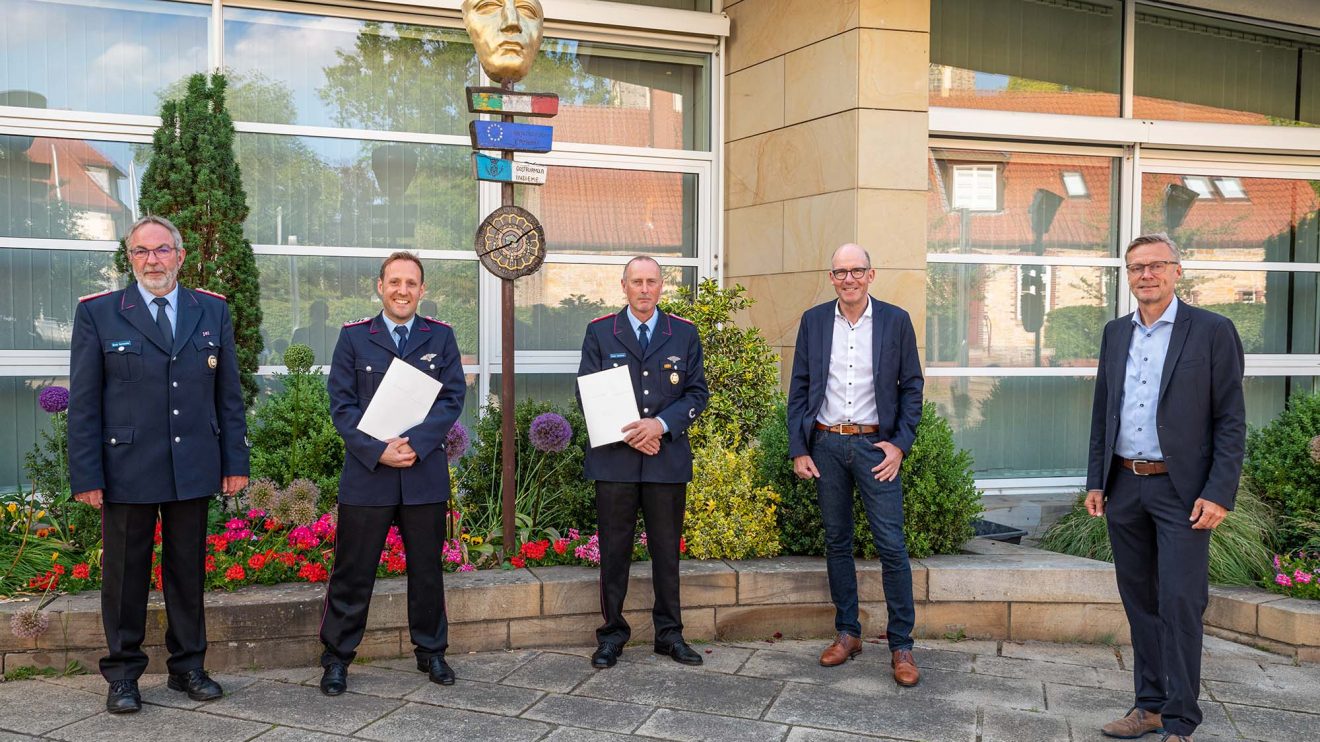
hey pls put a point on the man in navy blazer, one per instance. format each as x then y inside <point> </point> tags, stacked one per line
<point>650,468</point>
<point>853,406</point>
<point>1168,434</point>
<point>403,481</point>
<point>156,428</point>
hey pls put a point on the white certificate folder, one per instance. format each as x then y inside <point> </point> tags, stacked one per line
<point>608,404</point>
<point>401,402</point>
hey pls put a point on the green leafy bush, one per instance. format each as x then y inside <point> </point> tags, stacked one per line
<point>939,493</point>
<point>1279,468</point>
<point>729,516</point>
<point>1249,319</point>
<point>742,371</point>
<point>551,491</point>
<point>1074,331</point>
<point>1239,547</point>
<point>292,433</point>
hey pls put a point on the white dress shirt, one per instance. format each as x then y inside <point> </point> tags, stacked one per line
<point>850,389</point>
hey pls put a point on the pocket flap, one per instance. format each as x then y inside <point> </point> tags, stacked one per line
<point>117,436</point>
<point>205,343</point>
<point>123,346</point>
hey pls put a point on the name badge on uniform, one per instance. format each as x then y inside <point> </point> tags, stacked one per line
<point>211,362</point>
<point>618,355</point>
<point>119,345</point>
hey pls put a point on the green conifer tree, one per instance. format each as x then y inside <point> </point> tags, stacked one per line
<point>193,180</point>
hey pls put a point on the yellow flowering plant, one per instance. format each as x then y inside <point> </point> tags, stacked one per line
<point>728,516</point>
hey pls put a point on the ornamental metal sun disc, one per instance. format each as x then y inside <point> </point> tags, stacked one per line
<point>511,242</point>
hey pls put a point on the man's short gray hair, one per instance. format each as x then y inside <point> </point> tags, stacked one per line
<point>1152,239</point>
<point>158,220</point>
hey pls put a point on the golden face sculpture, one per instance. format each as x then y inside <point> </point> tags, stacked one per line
<point>506,35</point>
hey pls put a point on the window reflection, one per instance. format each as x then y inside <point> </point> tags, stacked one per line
<point>66,188</point>
<point>554,305</point>
<point>308,299</point>
<point>1013,203</point>
<point>1274,312</point>
<point>39,291</point>
<point>84,55</point>
<point>21,421</point>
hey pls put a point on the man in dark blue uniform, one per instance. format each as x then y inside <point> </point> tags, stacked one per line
<point>403,481</point>
<point>156,428</point>
<point>650,469</point>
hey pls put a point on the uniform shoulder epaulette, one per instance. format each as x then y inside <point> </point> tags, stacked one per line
<point>603,316</point>
<point>364,320</point>
<point>221,297</point>
<point>97,295</point>
<point>683,319</point>
<point>438,321</point>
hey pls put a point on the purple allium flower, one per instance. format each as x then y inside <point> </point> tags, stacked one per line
<point>456,443</point>
<point>54,399</point>
<point>29,623</point>
<point>550,433</point>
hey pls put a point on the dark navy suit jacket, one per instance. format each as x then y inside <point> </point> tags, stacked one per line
<point>669,382</point>
<point>151,423</point>
<point>894,361</point>
<point>1201,418</point>
<point>362,356</point>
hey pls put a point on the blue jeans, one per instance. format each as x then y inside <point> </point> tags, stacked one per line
<point>844,463</point>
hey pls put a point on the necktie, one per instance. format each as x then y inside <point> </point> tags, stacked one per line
<point>401,333</point>
<point>644,337</point>
<point>163,321</point>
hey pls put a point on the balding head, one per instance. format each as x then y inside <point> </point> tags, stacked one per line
<point>848,252</point>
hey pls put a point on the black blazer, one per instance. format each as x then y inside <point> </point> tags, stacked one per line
<point>894,361</point>
<point>1201,417</point>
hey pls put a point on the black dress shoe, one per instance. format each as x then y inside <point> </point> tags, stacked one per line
<point>123,697</point>
<point>197,684</point>
<point>606,655</point>
<point>438,669</point>
<point>680,652</point>
<point>335,679</point>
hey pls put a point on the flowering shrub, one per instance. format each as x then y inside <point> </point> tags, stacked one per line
<point>550,433</point>
<point>1297,575</point>
<point>728,515</point>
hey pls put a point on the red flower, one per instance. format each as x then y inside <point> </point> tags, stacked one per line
<point>210,563</point>
<point>518,562</point>
<point>156,538</point>
<point>48,581</point>
<point>59,569</point>
<point>256,561</point>
<point>396,565</point>
<point>271,524</point>
<point>314,572</point>
<point>535,549</point>
<point>157,579</point>
<point>288,558</point>
<point>81,571</point>
<point>682,544</point>
<point>235,572</point>
<point>217,541</point>
<point>561,546</point>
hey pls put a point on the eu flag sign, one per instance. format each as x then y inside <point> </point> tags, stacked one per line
<point>511,137</point>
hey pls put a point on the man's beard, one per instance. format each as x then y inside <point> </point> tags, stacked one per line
<point>162,282</point>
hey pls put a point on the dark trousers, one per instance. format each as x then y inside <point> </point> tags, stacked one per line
<point>359,539</point>
<point>1162,567</point>
<point>845,463</point>
<point>128,535</point>
<point>662,507</point>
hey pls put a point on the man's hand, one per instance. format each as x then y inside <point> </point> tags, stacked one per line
<point>805,468</point>
<point>1095,502</point>
<point>398,454</point>
<point>90,497</point>
<point>887,470</point>
<point>233,485</point>
<point>644,435</point>
<point>1206,515</point>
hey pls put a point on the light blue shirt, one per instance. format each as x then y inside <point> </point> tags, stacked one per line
<point>391,324</point>
<point>171,309</point>
<point>1138,436</point>
<point>650,334</point>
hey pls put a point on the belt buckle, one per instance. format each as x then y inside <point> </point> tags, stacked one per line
<point>848,429</point>
<point>1138,462</point>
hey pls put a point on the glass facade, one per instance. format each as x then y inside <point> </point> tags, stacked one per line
<point>352,138</point>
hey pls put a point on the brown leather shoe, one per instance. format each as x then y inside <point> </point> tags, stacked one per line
<point>905,668</point>
<point>844,648</point>
<point>1138,723</point>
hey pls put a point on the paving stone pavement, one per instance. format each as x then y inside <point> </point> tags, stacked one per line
<point>770,691</point>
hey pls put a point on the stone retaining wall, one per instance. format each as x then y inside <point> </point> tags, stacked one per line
<point>994,591</point>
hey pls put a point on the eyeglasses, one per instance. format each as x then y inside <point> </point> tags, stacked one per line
<point>1156,268</point>
<point>141,253</point>
<point>842,273</point>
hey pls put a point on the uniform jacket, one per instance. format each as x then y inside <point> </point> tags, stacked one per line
<point>362,355</point>
<point>897,369</point>
<point>150,423</point>
<point>1201,417</point>
<point>669,382</point>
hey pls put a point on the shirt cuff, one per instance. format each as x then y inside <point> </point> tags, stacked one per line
<point>663,424</point>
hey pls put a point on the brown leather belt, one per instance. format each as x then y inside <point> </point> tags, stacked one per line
<point>1143,468</point>
<point>849,428</point>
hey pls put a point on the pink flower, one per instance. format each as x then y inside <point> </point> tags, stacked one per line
<point>324,526</point>
<point>302,537</point>
<point>642,539</point>
<point>1302,578</point>
<point>466,568</point>
<point>1276,561</point>
<point>453,553</point>
<point>393,541</point>
<point>1283,580</point>
<point>254,514</point>
<point>235,524</point>
<point>589,551</point>
<point>573,534</point>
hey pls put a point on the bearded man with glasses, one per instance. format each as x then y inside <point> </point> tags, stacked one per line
<point>854,402</point>
<point>1168,434</point>
<point>156,428</point>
